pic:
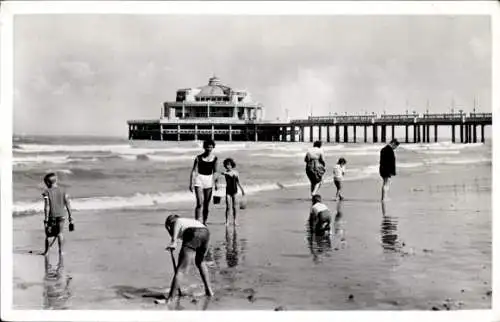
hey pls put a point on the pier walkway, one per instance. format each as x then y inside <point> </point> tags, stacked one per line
<point>419,128</point>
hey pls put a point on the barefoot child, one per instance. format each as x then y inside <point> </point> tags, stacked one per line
<point>232,184</point>
<point>338,177</point>
<point>195,237</point>
<point>56,204</point>
<point>319,217</point>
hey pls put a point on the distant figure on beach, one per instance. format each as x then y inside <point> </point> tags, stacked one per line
<point>319,217</point>
<point>232,184</point>
<point>315,166</point>
<point>56,204</point>
<point>338,177</point>
<point>195,238</point>
<point>204,177</point>
<point>387,167</point>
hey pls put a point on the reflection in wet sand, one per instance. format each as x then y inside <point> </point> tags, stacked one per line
<point>232,256</point>
<point>388,232</point>
<point>57,290</point>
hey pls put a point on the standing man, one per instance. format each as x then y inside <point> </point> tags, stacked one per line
<point>387,167</point>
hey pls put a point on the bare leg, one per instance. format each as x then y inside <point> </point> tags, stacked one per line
<point>186,256</point>
<point>60,243</point>
<point>199,199</point>
<point>207,196</point>
<point>46,251</point>
<point>202,267</point>
<point>316,188</point>
<point>227,209</point>
<point>385,188</point>
<point>233,200</point>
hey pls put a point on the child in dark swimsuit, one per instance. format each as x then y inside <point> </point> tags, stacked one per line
<point>232,184</point>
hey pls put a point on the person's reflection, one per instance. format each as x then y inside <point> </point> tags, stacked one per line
<point>338,227</point>
<point>56,286</point>
<point>232,255</point>
<point>388,231</point>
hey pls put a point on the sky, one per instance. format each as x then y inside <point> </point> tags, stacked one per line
<point>89,74</point>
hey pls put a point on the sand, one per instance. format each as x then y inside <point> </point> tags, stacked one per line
<point>432,249</point>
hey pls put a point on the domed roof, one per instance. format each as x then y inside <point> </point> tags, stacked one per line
<point>214,88</point>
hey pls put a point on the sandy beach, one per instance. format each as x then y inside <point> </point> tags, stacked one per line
<point>430,251</point>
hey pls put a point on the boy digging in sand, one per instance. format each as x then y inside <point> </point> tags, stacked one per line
<point>195,237</point>
<point>56,204</point>
<point>319,217</point>
<point>232,184</point>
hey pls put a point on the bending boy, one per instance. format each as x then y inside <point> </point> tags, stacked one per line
<point>195,237</point>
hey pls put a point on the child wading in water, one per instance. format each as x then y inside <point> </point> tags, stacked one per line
<point>56,204</point>
<point>195,237</point>
<point>338,177</point>
<point>232,184</point>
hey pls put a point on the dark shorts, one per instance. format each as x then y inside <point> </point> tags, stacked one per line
<point>196,239</point>
<point>338,183</point>
<point>55,226</point>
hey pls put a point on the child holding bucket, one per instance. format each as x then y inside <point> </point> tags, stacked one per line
<point>232,184</point>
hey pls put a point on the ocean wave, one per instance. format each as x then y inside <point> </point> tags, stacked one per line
<point>58,159</point>
<point>138,200</point>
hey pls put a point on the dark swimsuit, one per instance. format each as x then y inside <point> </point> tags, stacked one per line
<point>206,168</point>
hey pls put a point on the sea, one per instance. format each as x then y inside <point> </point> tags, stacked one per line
<point>111,173</point>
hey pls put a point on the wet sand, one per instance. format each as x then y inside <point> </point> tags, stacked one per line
<point>431,250</point>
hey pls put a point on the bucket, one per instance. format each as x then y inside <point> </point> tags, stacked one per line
<point>217,200</point>
<point>243,203</point>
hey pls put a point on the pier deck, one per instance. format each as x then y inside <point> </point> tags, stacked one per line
<point>222,129</point>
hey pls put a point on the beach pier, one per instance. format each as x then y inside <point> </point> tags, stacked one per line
<point>425,128</point>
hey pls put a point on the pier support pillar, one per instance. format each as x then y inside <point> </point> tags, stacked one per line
<point>406,133</point>
<point>383,134</point>
<point>255,134</point>
<point>365,134</point>
<point>292,133</point>
<point>461,133</point>
<point>393,134</point>
<point>375,134</point>
<point>435,133</point>
<point>470,133</point>
<point>213,132</point>
<point>346,134</point>
<point>328,133</point>
<point>428,133</point>
<point>178,132</point>
<point>230,132</point>
<point>129,132</point>
<point>475,133</point>
<point>196,132</point>
<point>466,133</point>
<point>301,133</point>
<point>311,133</point>
<point>161,132</point>
<point>319,132</point>
<point>482,133</point>
<point>337,133</point>
<point>354,133</point>
<point>453,134</point>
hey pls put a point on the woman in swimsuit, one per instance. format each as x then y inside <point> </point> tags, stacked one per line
<point>203,177</point>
